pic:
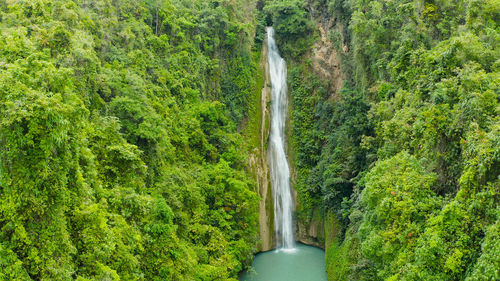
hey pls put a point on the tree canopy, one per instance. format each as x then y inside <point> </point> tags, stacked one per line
<point>120,157</point>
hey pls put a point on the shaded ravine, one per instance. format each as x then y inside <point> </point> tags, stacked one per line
<point>290,261</point>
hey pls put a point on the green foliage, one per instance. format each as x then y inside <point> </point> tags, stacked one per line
<point>486,266</point>
<point>120,157</point>
<point>409,153</point>
<point>306,136</point>
<point>292,25</point>
<point>328,139</point>
<point>396,201</point>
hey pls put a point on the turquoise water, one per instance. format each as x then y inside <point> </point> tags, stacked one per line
<point>305,263</point>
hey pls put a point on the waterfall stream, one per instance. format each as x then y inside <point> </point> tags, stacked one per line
<point>280,172</point>
<point>291,262</point>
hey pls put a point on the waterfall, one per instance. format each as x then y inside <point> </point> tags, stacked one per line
<point>280,172</point>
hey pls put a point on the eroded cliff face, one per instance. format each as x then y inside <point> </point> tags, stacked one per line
<point>258,161</point>
<point>326,60</point>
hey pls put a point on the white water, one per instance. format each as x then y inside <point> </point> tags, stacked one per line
<point>280,172</point>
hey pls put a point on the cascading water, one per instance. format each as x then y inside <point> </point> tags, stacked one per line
<point>290,262</point>
<point>280,173</point>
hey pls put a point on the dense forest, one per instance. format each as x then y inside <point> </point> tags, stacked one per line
<point>120,150</point>
<point>407,155</point>
<point>126,128</point>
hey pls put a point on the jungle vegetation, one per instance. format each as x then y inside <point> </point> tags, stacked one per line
<point>120,149</point>
<point>407,156</point>
<point>123,153</point>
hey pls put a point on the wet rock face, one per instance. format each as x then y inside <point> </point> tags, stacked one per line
<point>312,231</point>
<point>258,163</point>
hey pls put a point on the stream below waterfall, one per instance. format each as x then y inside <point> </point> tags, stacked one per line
<point>290,261</point>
